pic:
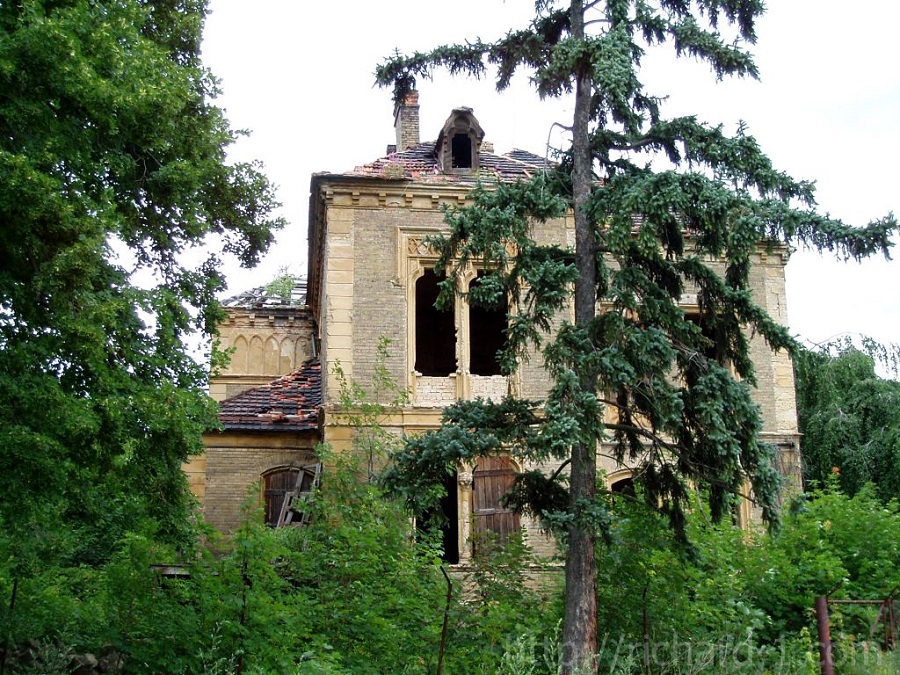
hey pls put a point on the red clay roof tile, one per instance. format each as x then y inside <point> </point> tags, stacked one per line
<point>290,403</point>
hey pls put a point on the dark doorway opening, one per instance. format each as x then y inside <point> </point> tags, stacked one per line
<point>446,518</point>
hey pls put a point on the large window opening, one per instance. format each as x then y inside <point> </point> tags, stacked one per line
<point>492,478</point>
<point>435,330</point>
<point>710,345</point>
<point>624,487</point>
<point>487,335</point>
<point>461,151</point>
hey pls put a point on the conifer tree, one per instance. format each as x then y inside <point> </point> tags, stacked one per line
<point>644,231</point>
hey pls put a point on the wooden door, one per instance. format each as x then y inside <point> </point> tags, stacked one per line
<point>492,478</point>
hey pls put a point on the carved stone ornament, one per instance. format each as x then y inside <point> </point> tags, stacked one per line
<point>416,246</point>
<point>464,478</point>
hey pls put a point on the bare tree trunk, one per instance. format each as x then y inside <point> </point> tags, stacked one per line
<point>580,626</point>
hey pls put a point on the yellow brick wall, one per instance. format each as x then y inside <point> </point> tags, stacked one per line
<point>234,462</point>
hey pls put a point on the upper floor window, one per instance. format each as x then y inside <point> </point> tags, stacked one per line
<point>478,333</point>
<point>435,329</point>
<point>487,334</point>
<point>461,150</point>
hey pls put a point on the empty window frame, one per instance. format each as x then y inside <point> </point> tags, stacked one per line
<point>435,329</point>
<point>461,151</point>
<point>712,348</point>
<point>624,487</point>
<point>487,335</point>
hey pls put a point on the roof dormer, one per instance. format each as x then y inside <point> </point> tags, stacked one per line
<point>459,144</point>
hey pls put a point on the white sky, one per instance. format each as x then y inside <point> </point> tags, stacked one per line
<point>298,75</point>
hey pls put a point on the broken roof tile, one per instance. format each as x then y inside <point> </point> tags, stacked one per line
<point>420,163</point>
<point>263,296</point>
<point>290,403</point>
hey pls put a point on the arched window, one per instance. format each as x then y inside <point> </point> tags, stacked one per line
<point>624,486</point>
<point>460,140</point>
<point>621,482</point>
<point>284,490</point>
<point>461,151</point>
<point>487,335</point>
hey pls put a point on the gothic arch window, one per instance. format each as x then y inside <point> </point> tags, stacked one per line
<point>487,334</point>
<point>452,354</point>
<point>238,363</point>
<point>255,356</point>
<point>271,357</point>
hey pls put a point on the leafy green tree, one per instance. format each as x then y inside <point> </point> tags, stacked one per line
<point>834,544</point>
<point>644,230</point>
<point>849,418</point>
<point>114,187</point>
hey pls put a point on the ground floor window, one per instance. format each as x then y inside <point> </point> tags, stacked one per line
<point>282,487</point>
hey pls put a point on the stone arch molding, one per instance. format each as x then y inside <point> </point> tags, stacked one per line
<point>262,354</point>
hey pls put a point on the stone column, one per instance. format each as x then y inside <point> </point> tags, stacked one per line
<point>464,508</point>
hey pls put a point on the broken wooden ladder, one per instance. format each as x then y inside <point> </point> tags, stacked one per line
<point>293,511</point>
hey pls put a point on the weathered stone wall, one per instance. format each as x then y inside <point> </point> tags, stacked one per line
<point>368,272</point>
<point>379,298</point>
<point>372,251</point>
<point>267,342</point>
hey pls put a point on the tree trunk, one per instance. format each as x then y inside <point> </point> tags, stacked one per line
<point>580,626</point>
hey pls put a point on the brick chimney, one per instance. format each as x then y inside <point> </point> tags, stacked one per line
<point>406,121</point>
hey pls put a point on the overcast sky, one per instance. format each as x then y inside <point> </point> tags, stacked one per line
<point>298,76</point>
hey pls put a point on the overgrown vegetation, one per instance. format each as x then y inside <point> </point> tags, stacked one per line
<point>115,198</point>
<point>849,416</point>
<point>354,593</point>
<point>100,403</point>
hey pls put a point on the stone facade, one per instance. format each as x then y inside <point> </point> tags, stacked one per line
<point>269,425</point>
<point>236,463</point>
<point>368,265</point>
<point>268,336</point>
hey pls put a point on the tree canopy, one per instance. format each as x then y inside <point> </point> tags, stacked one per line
<point>849,417</point>
<point>656,202</point>
<point>114,187</point>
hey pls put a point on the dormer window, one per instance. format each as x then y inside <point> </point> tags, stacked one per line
<point>461,150</point>
<point>459,143</point>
